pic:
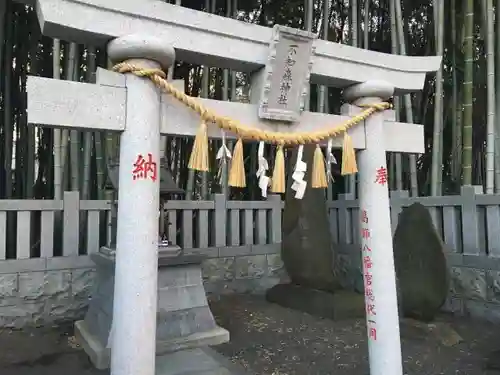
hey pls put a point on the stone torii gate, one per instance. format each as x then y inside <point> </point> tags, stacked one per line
<point>134,107</point>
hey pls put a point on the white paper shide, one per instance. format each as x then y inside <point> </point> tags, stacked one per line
<point>299,184</point>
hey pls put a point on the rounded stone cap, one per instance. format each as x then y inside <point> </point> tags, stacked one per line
<point>137,46</point>
<point>369,89</point>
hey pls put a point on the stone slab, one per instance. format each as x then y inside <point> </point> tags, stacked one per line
<point>440,330</point>
<point>200,361</point>
<point>483,310</point>
<point>216,336</point>
<point>167,256</point>
<point>337,306</point>
<point>493,361</point>
<point>100,355</point>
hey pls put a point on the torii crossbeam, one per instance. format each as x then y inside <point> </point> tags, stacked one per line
<point>227,43</point>
<point>134,107</point>
<point>56,103</point>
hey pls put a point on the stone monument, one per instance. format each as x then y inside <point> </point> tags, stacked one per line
<point>308,258</point>
<point>420,261</point>
<point>133,106</point>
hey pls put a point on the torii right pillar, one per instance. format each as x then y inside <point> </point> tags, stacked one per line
<point>379,274</point>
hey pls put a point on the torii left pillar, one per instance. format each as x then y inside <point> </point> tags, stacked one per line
<point>134,312</point>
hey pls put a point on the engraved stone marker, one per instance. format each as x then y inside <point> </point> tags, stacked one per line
<point>286,76</point>
<point>420,264</point>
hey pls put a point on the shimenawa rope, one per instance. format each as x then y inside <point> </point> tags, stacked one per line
<point>199,154</point>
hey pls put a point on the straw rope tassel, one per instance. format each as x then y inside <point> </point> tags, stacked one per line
<point>237,172</point>
<point>349,165</point>
<point>158,77</point>
<point>318,178</point>
<point>199,154</point>
<point>278,180</point>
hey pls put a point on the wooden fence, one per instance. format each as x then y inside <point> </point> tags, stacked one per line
<point>469,223</point>
<point>71,227</point>
<point>221,222</point>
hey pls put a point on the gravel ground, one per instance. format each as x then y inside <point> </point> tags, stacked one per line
<point>270,340</point>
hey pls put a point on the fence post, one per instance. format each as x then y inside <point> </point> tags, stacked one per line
<point>220,220</point>
<point>396,199</point>
<point>451,230</point>
<point>71,223</point>
<point>493,229</point>
<point>345,221</point>
<point>470,232</point>
<point>276,217</point>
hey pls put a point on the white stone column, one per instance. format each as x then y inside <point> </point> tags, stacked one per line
<point>376,239</point>
<point>135,297</point>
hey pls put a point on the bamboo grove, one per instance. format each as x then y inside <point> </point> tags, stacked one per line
<point>457,106</point>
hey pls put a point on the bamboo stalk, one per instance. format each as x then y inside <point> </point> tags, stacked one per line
<point>398,177</point>
<point>490,87</point>
<point>497,101</point>
<point>8,119</point>
<point>437,153</point>
<point>58,146</point>
<point>31,130</point>
<point>350,180</point>
<point>3,91</point>
<point>468,92</point>
<point>72,75</point>
<point>87,135</point>
<point>407,97</point>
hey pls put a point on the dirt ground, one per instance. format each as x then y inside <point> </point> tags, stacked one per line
<point>270,340</point>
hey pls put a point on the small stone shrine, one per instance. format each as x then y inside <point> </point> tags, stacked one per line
<point>420,264</point>
<point>168,189</point>
<point>184,319</point>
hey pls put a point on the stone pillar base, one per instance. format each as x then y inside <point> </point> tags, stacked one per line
<point>331,305</point>
<point>199,361</point>
<point>184,319</point>
<point>100,355</point>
